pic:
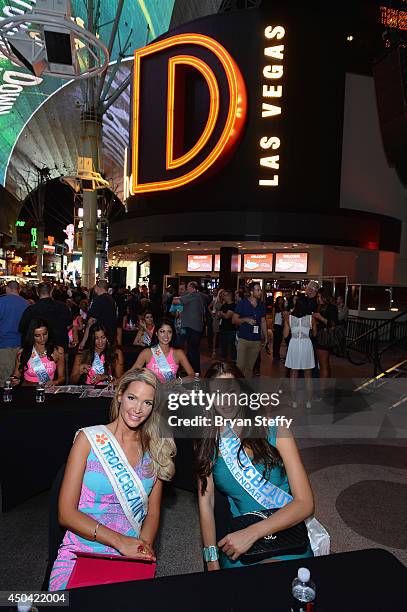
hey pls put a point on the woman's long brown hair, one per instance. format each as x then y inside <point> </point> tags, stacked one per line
<point>207,448</point>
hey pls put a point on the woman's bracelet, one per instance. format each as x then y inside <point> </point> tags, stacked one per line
<point>95,532</point>
<point>210,553</point>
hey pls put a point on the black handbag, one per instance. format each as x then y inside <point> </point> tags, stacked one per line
<point>291,541</point>
<point>330,338</point>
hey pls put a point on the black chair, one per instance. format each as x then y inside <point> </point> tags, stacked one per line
<point>55,531</point>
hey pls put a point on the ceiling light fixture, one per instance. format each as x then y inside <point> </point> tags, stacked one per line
<point>48,42</point>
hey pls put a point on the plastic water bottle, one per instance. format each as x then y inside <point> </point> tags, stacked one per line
<point>40,394</point>
<point>7,391</point>
<point>303,588</point>
<point>26,607</point>
<point>197,382</point>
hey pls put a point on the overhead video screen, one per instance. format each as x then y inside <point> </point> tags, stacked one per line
<point>291,262</point>
<point>199,263</point>
<point>21,93</point>
<point>258,262</point>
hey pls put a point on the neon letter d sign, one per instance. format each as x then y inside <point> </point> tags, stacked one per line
<point>208,151</point>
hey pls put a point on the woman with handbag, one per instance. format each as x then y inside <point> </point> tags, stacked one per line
<point>259,470</point>
<point>326,319</point>
<point>111,493</point>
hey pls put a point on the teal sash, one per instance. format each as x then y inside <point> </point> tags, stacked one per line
<point>265,493</point>
<point>248,477</point>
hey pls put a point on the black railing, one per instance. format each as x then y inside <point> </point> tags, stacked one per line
<point>367,340</point>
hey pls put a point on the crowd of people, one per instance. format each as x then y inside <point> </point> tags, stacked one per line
<point>40,327</point>
<point>105,514</point>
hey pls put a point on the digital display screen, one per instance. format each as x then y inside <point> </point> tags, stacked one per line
<point>291,262</point>
<point>199,263</point>
<point>258,262</point>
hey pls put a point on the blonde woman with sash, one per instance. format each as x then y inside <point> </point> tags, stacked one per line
<point>111,493</point>
<point>274,468</point>
<point>39,360</point>
<point>162,358</point>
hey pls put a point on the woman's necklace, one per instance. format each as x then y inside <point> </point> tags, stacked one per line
<point>41,353</point>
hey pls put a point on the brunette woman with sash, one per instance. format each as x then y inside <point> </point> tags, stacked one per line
<point>264,459</point>
<point>98,363</point>
<point>39,361</point>
<point>146,330</point>
<point>101,512</point>
<point>162,358</point>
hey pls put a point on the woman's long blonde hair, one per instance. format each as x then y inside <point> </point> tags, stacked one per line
<point>162,450</point>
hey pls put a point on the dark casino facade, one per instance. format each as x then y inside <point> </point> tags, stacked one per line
<point>235,159</point>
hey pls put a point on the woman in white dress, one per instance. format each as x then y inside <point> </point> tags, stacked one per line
<point>300,353</point>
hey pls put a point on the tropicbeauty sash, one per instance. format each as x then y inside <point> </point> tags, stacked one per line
<point>39,367</point>
<point>124,480</point>
<point>97,364</point>
<point>264,492</point>
<point>162,363</point>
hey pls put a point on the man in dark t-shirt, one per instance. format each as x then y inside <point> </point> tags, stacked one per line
<point>56,313</point>
<point>103,311</point>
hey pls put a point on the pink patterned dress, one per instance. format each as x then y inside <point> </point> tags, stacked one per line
<point>98,500</point>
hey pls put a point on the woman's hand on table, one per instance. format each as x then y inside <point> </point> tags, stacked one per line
<point>134,547</point>
<point>237,543</point>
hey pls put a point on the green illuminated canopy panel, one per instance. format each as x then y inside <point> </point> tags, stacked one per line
<point>147,18</point>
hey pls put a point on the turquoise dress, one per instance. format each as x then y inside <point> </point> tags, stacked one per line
<point>98,501</point>
<point>241,502</point>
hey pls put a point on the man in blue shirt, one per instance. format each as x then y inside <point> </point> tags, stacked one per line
<point>12,307</point>
<point>250,317</point>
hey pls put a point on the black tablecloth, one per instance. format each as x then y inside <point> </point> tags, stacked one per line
<point>35,440</point>
<point>359,581</point>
